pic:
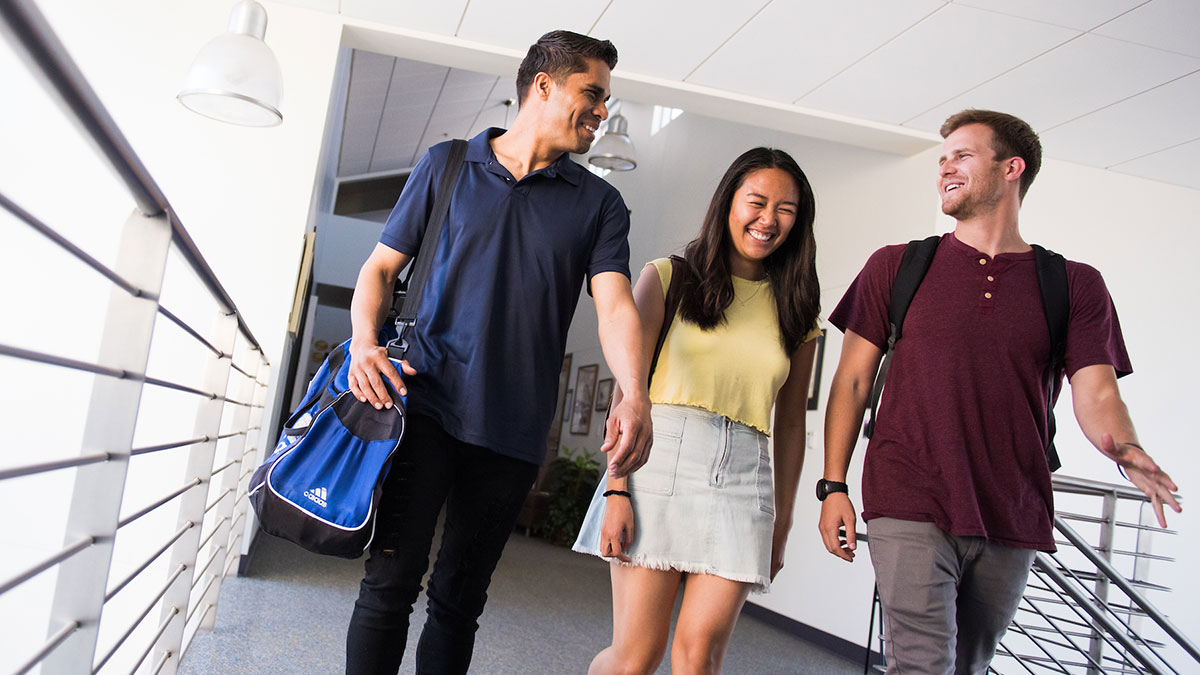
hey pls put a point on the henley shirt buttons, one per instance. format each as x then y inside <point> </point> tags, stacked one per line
<point>991,278</point>
<point>988,296</point>
<point>983,261</point>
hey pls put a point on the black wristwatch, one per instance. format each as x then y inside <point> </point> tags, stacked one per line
<point>828,487</point>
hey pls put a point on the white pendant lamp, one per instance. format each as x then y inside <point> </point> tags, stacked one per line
<point>614,150</point>
<point>235,77</point>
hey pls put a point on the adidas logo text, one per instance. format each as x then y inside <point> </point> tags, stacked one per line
<point>318,495</point>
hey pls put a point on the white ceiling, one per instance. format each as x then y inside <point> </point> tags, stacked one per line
<point>1113,84</point>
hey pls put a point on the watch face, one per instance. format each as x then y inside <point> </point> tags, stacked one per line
<point>828,487</point>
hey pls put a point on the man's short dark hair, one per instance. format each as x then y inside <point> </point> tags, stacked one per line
<point>1011,137</point>
<point>559,54</point>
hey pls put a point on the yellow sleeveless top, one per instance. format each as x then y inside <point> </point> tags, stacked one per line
<point>734,370</point>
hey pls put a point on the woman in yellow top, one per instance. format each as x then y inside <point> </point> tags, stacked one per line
<point>705,505</point>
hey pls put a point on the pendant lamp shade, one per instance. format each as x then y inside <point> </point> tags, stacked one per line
<point>236,77</point>
<point>614,150</point>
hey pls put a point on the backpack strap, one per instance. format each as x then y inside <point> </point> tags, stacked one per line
<point>1056,304</point>
<point>918,256</point>
<point>679,271</point>
<point>670,308</point>
<point>419,272</point>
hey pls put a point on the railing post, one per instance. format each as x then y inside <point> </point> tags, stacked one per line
<point>251,458</point>
<point>229,481</point>
<point>192,503</point>
<point>109,426</point>
<point>1108,514</point>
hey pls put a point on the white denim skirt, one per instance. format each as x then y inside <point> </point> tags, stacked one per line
<point>704,502</point>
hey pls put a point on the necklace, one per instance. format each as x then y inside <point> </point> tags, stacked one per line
<point>758,286</point>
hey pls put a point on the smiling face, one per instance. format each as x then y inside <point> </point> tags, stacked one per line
<point>760,218</point>
<point>971,179</point>
<point>576,106</point>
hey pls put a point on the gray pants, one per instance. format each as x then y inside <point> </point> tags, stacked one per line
<point>947,600</point>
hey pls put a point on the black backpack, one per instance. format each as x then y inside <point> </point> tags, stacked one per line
<point>1052,282</point>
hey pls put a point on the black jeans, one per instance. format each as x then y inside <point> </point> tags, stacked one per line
<point>483,492</point>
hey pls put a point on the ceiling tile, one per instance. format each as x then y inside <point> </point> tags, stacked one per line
<point>1078,14</point>
<point>952,51</point>
<point>506,22</point>
<point>1083,75</point>
<point>1158,119</point>
<point>434,17</point>
<point>791,48</point>
<point>1166,24</point>
<point>464,85</point>
<point>370,73</point>
<point>491,116</point>
<point>354,159</point>
<point>669,38</point>
<point>1179,165</point>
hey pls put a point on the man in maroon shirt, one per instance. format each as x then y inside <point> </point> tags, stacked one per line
<point>956,485</point>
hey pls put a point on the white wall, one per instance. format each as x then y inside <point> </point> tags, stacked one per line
<point>1140,234</point>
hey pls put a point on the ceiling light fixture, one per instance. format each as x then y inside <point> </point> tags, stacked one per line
<point>614,150</point>
<point>235,77</point>
<point>508,104</point>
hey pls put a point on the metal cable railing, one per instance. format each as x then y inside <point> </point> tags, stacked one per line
<point>1084,613</point>
<point>1081,613</point>
<point>86,605</point>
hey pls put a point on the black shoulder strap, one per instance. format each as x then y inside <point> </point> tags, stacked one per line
<point>918,256</point>
<point>1056,304</point>
<point>419,273</point>
<point>670,308</point>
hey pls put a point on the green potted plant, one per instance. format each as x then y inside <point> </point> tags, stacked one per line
<point>574,477</point>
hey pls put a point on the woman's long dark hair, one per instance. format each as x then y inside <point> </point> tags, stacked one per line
<point>791,269</point>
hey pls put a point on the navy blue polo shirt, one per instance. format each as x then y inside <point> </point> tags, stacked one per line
<point>489,339</point>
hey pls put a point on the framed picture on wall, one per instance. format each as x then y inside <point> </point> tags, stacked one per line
<point>568,404</point>
<point>585,396</point>
<point>814,383</point>
<point>604,390</point>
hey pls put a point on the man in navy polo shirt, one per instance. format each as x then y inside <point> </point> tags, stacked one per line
<point>956,484</point>
<point>527,227</point>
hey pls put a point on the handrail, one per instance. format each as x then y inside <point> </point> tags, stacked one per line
<point>66,244</point>
<point>46,564</point>
<point>52,643</point>
<point>179,570</point>
<point>1086,486</point>
<point>48,55</point>
<point>134,516</point>
<point>141,568</point>
<point>1126,587</point>
<point>55,465</point>
<point>1112,630</point>
<point>1072,611</point>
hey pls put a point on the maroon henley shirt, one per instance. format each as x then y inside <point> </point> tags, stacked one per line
<point>961,432</point>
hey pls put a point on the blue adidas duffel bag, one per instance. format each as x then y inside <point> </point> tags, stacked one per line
<point>322,483</point>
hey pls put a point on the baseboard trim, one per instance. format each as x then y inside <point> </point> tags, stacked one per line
<point>827,641</point>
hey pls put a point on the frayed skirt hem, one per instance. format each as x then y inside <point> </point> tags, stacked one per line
<point>759,584</point>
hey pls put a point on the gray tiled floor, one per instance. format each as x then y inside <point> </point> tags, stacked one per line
<point>548,612</point>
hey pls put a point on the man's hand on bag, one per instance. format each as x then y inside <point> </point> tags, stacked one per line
<point>628,435</point>
<point>369,365</point>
